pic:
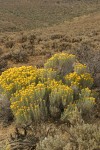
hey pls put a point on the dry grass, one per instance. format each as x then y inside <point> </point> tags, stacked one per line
<point>80,36</point>
<point>28,14</point>
<point>5,134</point>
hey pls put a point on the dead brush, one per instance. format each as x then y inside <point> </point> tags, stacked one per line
<point>22,139</point>
<point>26,137</point>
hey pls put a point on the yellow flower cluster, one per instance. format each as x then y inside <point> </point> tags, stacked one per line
<point>37,93</point>
<point>61,57</point>
<point>86,80</point>
<point>28,103</point>
<point>72,78</point>
<point>60,94</point>
<point>15,78</point>
<point>80,68</point>
<point>79,80</point>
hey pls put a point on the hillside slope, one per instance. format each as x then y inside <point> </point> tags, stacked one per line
<point>81,36</point>
<point>30,14</point>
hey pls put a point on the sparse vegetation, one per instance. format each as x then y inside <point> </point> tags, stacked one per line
<point>48,98</point>
<point>19,56</point>
<point>81,136</point>
<point>31,14</point>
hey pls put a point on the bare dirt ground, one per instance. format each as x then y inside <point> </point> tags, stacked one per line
<point>5,134</point>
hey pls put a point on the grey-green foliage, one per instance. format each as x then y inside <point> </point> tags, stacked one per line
<point>52,143</point>
<point>72,114</point>
<point>86,100</point>
<point>5,112</point>
<point>85,136</point>
<point>82,137</point>
<point>61,62</point>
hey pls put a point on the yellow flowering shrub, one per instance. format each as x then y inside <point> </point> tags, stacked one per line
<point>80,80</point>
<point>60,94</point>
<point>80,68</point>
<point>74,111</point>
<point>36,94</point>
<point>72,79</point>
<point>86,100</point>
<point>45,74</point>
<point>59,97</point>
<point>72,114</point>
<point>15,78</point>
<point>28,104</point>
<point>31,103</point>
<point>86,80</point>
<point>61,62</point>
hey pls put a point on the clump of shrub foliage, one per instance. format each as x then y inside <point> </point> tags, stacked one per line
<point>37,94</point>
<point>81,136</point>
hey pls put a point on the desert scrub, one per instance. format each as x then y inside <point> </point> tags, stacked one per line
<point>22,38</point>
<point>19,55</point>
<point>80,68</point>
<point>5,112</point>
<point>52,143</point>
<point>72,115</point>
<point>60,96</point>
<point>15,79</point>
<point>46,74</point>
<point>61,62</point>
<point>84,136</point>
<point>37,94</point>
<point>29,104</point>
<point>9,44</point>
<point>78,137</point>
<point>81,81</point>
<point>86,101</point>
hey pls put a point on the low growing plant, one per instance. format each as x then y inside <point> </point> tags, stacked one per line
<point>86,101</point>
<point>78,137</point>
